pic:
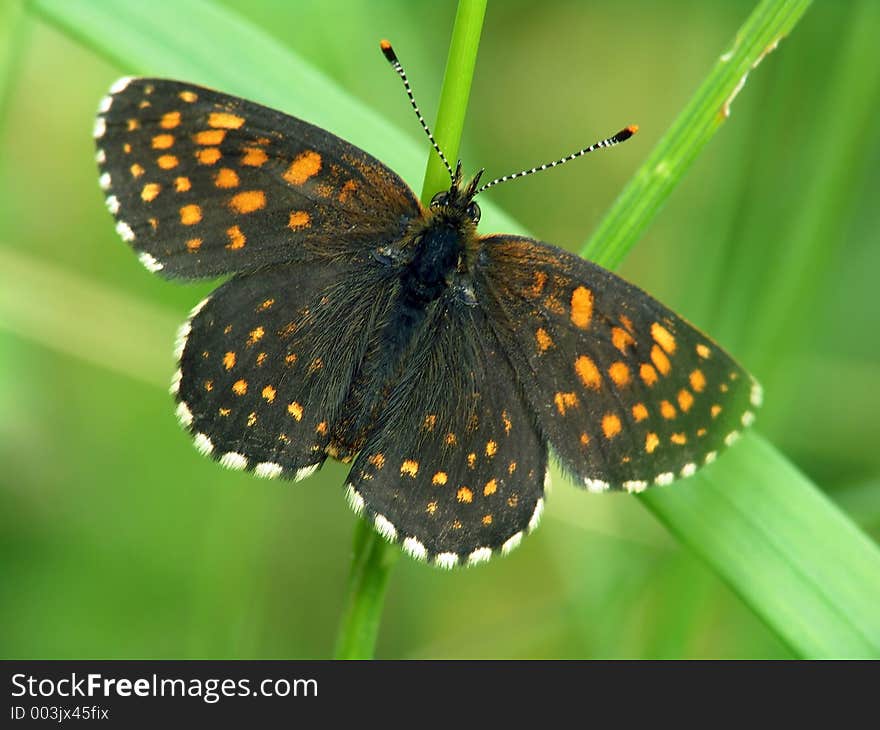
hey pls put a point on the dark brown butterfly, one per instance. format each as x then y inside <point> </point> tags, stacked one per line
<point>361,325</point>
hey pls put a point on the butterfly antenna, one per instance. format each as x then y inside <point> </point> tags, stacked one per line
<point>395,64</point>
<point>623,135</point>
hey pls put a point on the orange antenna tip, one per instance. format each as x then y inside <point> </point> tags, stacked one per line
<point>633,128</point>
<point>388,51</point>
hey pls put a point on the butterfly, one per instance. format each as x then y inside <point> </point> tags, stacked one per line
<point>358,324</point>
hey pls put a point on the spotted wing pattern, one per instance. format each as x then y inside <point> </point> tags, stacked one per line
<point>267,360</point>
<point>627,393</point>
<point>203,184</point>
<point>455,469</point>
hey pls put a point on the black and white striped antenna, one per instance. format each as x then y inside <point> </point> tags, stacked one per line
<point>623,135</point>
<point>395,64</point>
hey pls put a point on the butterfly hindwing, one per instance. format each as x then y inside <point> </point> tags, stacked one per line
<point>456,468</point>
<point>626,392</point>
<point>202,183</point>
<point>267,360</point>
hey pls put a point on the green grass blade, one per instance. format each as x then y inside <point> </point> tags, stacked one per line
<point>703,116</point>
<point>793,556</point>
<point>455,93</point>
<point>373,557</point>
<point>795,560</point>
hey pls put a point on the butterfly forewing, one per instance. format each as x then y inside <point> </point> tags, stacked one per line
<point>202,183</point>
<point>627,393</point>
<point>456,468</point>
<point>267,360</point>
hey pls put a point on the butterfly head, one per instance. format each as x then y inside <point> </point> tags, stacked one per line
<point>458,202</point>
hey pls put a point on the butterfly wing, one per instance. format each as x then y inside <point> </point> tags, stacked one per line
<point>267,360</point>
<point>627,393</point>
<point>203,184</point>
<point>456,468</point>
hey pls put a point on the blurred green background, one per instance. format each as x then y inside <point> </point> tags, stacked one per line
<point>120,541</point>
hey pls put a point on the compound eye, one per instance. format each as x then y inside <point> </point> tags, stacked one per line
<point>473,211</point>
<point>438,200</point>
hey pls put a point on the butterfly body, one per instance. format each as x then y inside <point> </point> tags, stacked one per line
<point>358,324</point>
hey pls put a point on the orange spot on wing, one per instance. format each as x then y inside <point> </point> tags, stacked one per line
<point>255,335</point>
<point>131,125</point>
<point>431,508</point>
<point>240,387</point>
<point>295,410</point>
<point>581,307</point>
<point>224,120</point>
<point>248,201</point>
<point>648,374</point>
<point>667,410</point>
<point>190,215</point>
<point>534,291</point>
<point>715,410</point>
<point>703,351</point>
<point>299,219</point>
<point>167,162</point>
<point>182,184</point>
<point>237,239</point>
<point>584,439</point>
<point>678,438</point>
<point>464,495</point>
<point>321,429</point>
<point>347,190</point>
<point>491,448</point>
<point>652,441</point>
<point>229,360</point>
<point>640,412</point>
<point>226,178</point>
<point>685,400</point>
<point>409,467</point>
<point>663,337</point>
<point>439,479</point>
<point>619,373</point>
<point>136,170</point>
<point>611,425</point>
<point>150,191</point>
<point>269,393</point>
<point>209,136</point>
<point>163,141</point>
<point>621,339</point>
<point>193,244</point>
<point>698,380</point>
<point>170,120</point>
<point>661,362</point>
<point>306,165</point>
<point>491,487</point>
<point>588,372</point>
<point>377,460</point>
<point>564,401</point>
<point>544,340</point>
<point>188,96</point>
<point>208,155</point>
<point>254,157</point>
